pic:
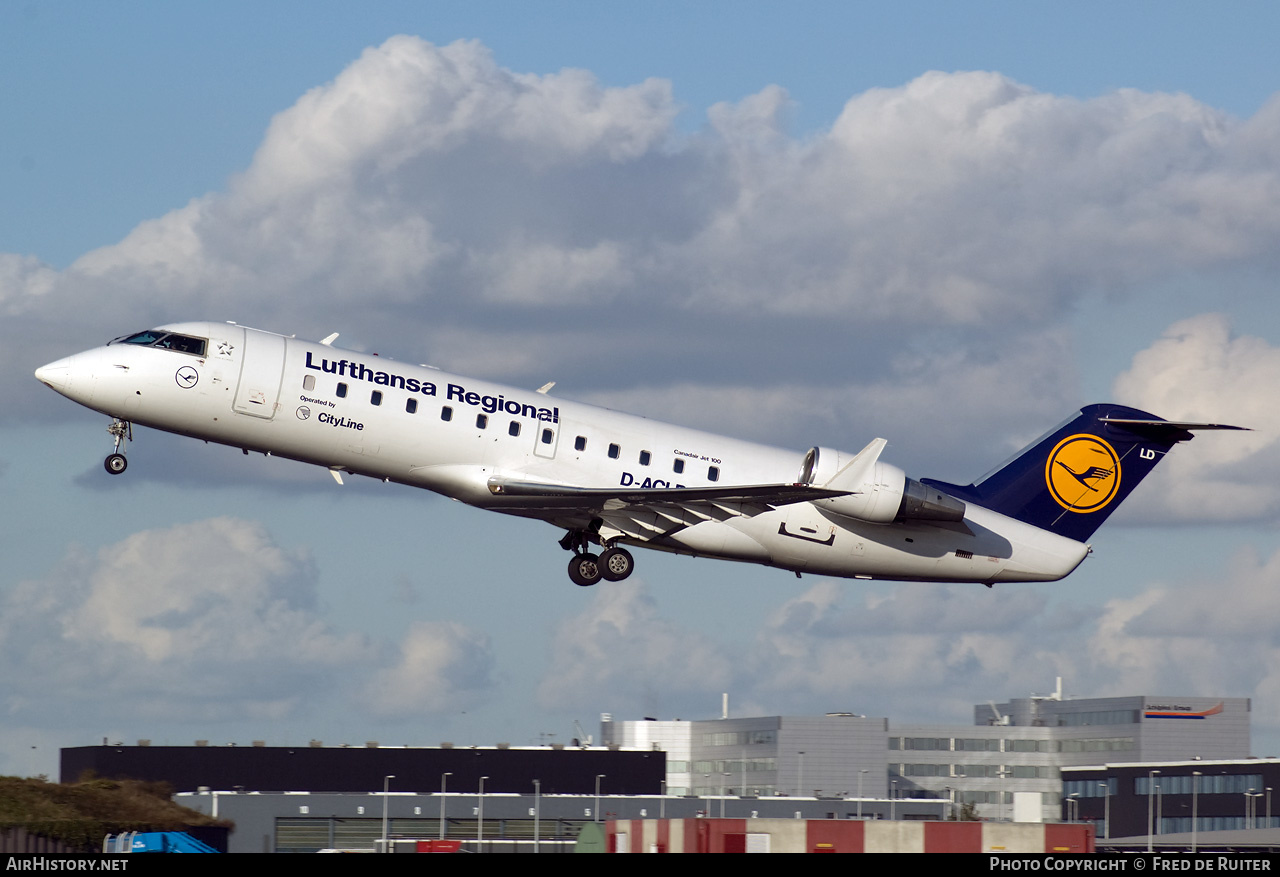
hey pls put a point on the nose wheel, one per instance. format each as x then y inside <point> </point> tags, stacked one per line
<point>121,430</point>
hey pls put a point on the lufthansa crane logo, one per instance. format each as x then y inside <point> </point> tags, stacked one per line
<point>186,377</point>
<point>1083,473</point>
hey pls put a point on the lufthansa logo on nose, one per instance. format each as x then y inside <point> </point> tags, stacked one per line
<point>1083,473</point>
<point>186,377</point>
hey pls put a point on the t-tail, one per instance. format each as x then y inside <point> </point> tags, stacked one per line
<point>1071,480</point>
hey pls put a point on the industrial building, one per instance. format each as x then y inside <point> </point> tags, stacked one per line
<point>284,822</point>
<point>1172,798</point>
<point>1008,765</point>
<point>316,768</point>
<point>1012,753</point>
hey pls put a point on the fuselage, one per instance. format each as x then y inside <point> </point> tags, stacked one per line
<point>368,415</point>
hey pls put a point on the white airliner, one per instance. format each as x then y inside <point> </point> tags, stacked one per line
<point>612,479</point>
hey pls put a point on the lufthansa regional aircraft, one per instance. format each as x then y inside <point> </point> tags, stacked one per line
<point>613,480</point>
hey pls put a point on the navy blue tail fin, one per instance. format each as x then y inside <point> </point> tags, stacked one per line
<point>1069,481</point>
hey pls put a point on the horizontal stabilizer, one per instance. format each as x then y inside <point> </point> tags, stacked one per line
<point>1166,427</point>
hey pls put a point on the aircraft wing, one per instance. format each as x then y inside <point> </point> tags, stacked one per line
<point>606,498</point>
<point>648,515</point>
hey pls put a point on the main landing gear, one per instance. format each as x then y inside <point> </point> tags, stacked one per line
<point>613,564</point>
<point>116,462</point>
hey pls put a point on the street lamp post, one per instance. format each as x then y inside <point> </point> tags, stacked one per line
<point>1106,809</point>
<point>386,788</point>
<point>1159,809</point>
<point>860,773</point>
<point>1195,791</point>
<point>596,812</point>
<point>1151,813</point>
<point>480,819</point>
<point>443,780</point>
<point>537,810</point>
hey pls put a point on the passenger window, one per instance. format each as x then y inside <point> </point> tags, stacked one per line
<point>446,413</point>
<point>713,473</point>
<point>482,420</point>
<point>644,458</point>
<point>580,443</point>
<point>411,405</point>
<point>342,391</point>
<point>678,466</point>
<point>514,428</point>
<point>547,436</point>
<point>376,397</point>
<point>308,382</point>
<point>614,452</point>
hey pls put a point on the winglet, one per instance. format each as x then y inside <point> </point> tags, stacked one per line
<point>328,341</point>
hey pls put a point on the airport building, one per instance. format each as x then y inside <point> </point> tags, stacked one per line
<point>1173,800</point>
<point>1009,765</point>
<point>1012,754</point>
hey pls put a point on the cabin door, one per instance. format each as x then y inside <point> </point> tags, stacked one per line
<point>261,370</point>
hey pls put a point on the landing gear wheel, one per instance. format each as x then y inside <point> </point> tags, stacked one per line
<point>584,570</point>
<point>115,464</point>
<point>616,564</point>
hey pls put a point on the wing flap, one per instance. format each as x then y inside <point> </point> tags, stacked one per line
<point>647,515</point>
<point>570,497</point>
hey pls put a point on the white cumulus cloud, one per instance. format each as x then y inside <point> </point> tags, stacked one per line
<point>1203,371</point>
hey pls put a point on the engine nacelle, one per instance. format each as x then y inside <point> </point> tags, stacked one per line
<point>876,492</point>
<point>874,496</point>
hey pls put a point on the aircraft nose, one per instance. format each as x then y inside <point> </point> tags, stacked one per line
<point>57,375</point>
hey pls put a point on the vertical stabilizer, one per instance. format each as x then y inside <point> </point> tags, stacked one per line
<point>1071,480</point>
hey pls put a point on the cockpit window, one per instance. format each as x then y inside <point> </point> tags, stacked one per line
<point>183,343</point>
<point>151,336</point>
<point>167,340</point>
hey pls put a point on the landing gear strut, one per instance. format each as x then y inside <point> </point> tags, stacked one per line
<point>613,565</point>
<point>116,462</point>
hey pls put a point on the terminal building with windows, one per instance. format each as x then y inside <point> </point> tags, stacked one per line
<point>1168,798</point>
<point>1011,756</point>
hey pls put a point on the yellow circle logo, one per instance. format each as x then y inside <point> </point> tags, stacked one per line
<point>1083,473</point>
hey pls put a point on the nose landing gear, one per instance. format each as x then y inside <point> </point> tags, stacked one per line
<point>116,462</point>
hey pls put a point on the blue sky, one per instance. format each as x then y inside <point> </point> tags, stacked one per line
<point>947,224</point>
